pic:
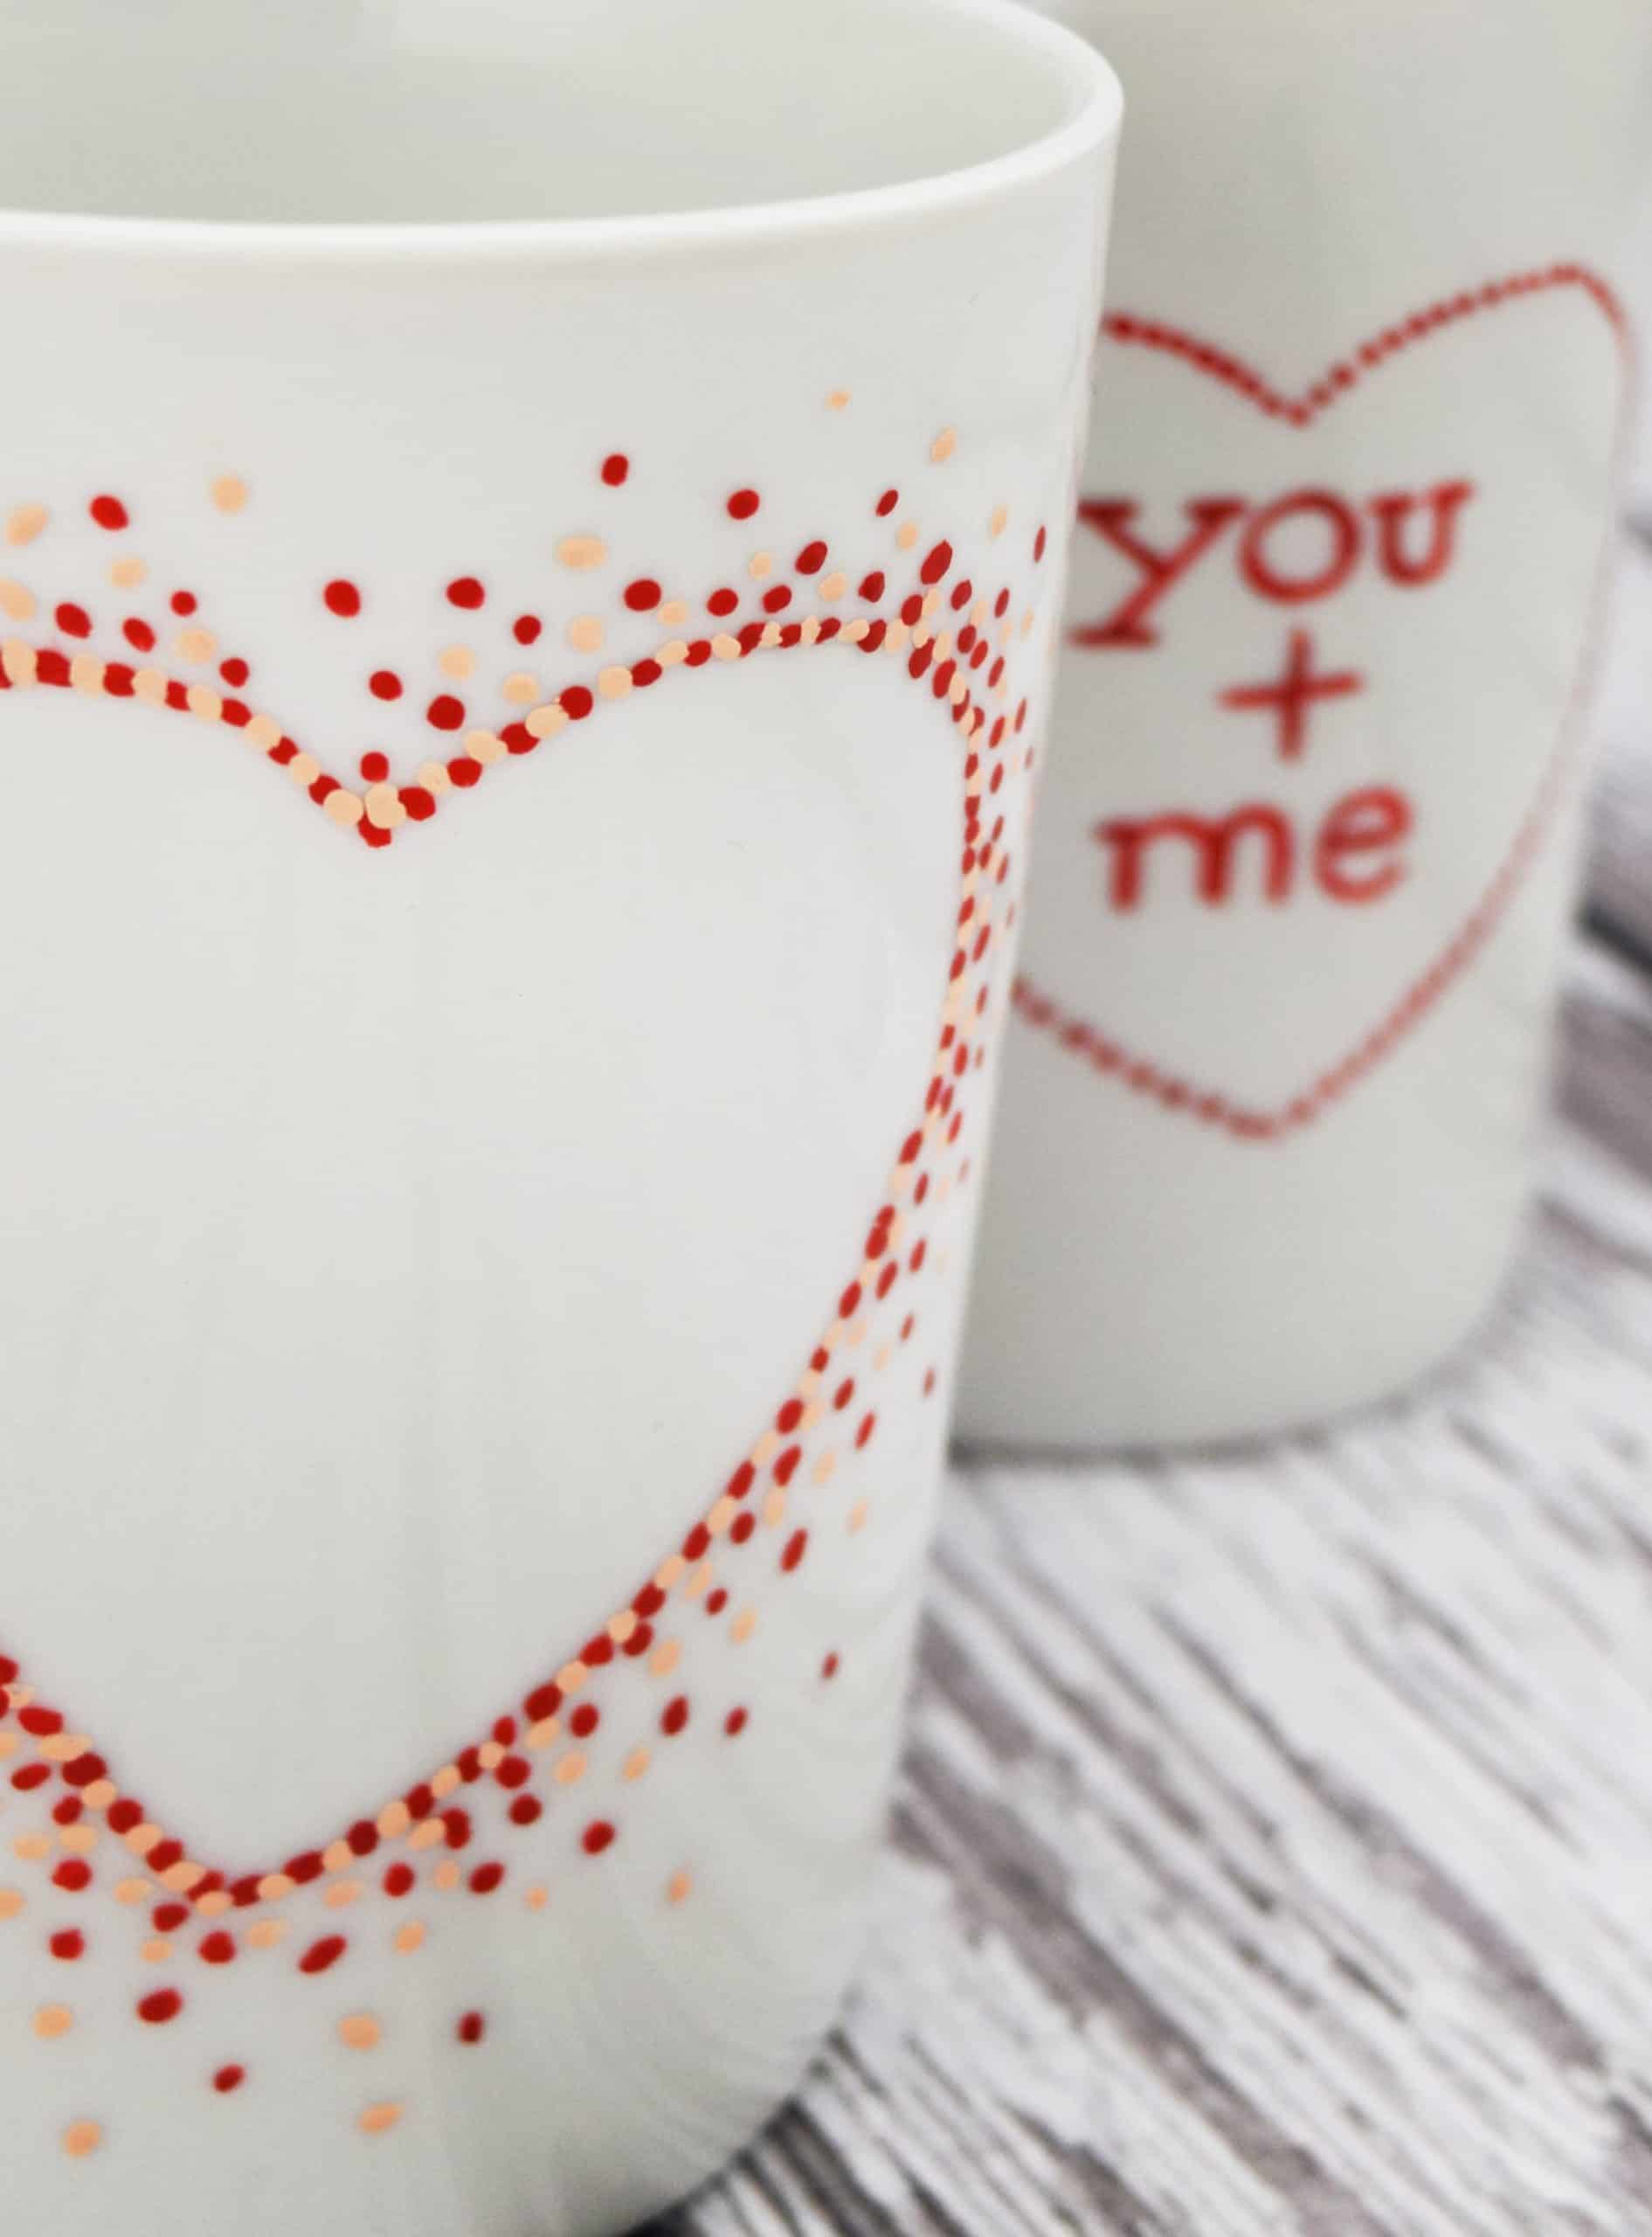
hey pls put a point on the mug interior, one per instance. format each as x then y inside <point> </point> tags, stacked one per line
<point>466,111</point>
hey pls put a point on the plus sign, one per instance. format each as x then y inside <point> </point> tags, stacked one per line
<point>1291,698</point>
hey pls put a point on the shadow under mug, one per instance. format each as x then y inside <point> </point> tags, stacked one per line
<point>532,539</point>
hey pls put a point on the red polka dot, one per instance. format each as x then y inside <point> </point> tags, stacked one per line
<point>139,635</point>
<point>887,502</point>
<point>109,512</point>
<point>525,1811</point>
<point>72,1874</point>
<point>68,1945</point>
<point>675,1715</point>
<point>598,1836</point>
<point>643,595</point>
<point>340,597</point>
<point>585,1720</point>
<point>485,1878</point>
<point>796,1546</point>
<point>228,2078</point>
<point>385,683</point>
<point>219,1948</point>
<point>722,602</point>
<point>399,1880</point>
<point>526,628</point>
<point>615,467</point>
<point>375,768</point>
<point>321,1953</point>
<point>829,1667</point>
<point>466,591</point>
<point>74,621</point>
<point>1039,542</point>
<point>234,671</point>
<point>184,601</point>
<point>937,563</point>
<point>734,1723</point>
<point>576,703</point>
<point>778,599</point>
<point>811,559</point>
<point>743,504</point>
<point>160,2005</point>
<point>470,2028</point>
<point>444,712</point>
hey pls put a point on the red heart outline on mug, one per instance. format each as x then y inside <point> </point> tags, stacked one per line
<point>1277,1121</point>
<point>951,639</point>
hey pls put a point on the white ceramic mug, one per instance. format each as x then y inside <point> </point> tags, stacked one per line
<point>531,543</point>
<point>1307,842</point>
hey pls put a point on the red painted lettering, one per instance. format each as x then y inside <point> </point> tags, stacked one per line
<point>1444,504</point>
<point>1127,625</point>
<point>1367,823</point>
<point>1264,574</point>
<point>1214,841</point>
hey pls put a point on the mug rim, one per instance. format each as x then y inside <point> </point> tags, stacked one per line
<point>1096,108</point>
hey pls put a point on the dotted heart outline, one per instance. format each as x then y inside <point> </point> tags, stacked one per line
<point>1174,1092</point>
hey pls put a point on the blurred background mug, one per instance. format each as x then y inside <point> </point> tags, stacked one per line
<point>1307,841</point>
<point>532,539</point>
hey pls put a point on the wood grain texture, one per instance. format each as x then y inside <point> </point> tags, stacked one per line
<point>1273,1855</point>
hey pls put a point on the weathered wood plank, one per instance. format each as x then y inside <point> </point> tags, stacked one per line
<point>1273,1853</point>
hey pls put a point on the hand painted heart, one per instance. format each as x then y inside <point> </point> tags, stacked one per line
<point>1179,1088</point>
<point>954,642</point>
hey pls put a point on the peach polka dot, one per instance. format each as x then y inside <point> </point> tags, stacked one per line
<point>569,1768</point>
<point>263,1933</point>
<point>457,661</point>
<point>636,1763</point>
<point>53,2020</point>
<point>759,564</point>
<point>157,1951</point>
<point>838,400</point>
<point>857,1517</point>
<point>377,2119</point>
<point>229,493</point>
<point>679,1888</point>
<point>197,645</point>
<point>834,585</point>
<point>11,1901</point>
<point>409,1938</point>
<point>582,552</point>
<point>519,689</point>
<point>25,523</point>
<point>15,602</point>
<point>907,535</point>
<point>585,634</point>
<point>131,1892</point>
<point>359,2031</point>
<point>445,1876</point>
<point>943,445</point>
<point>743,1625</point>
<point>665,1657</point>
<point>344,806</point>
<point>536,1898</point>
<point>32,1847</point>
<point>673,613</point>
<point>127,573</point>
<point>81,2138</point>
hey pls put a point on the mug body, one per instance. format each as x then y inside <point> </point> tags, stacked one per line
<point>1307,843</point>
<point>517,726</point>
